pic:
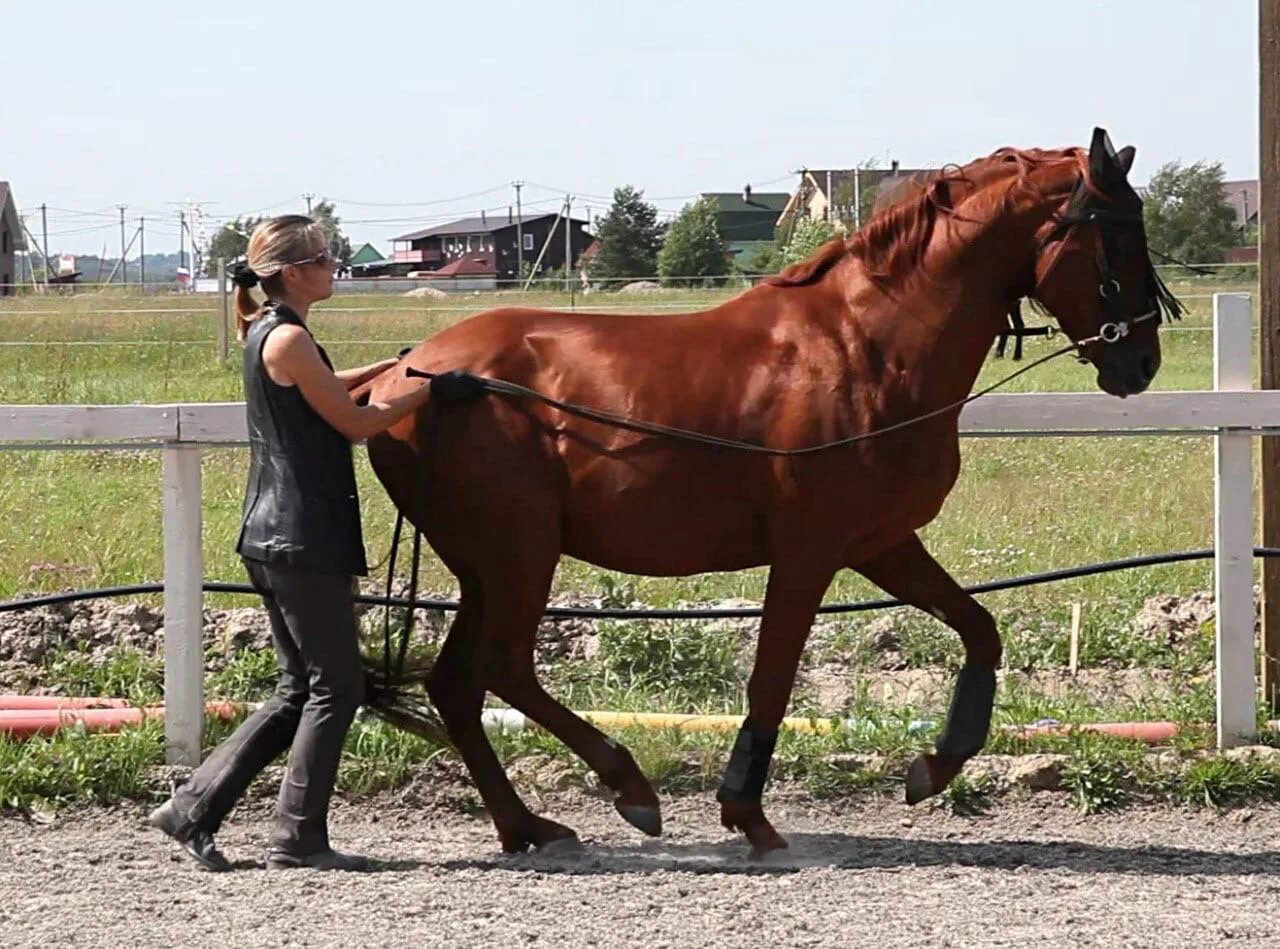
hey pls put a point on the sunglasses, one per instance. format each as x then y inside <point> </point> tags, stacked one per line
<point>323,259</point>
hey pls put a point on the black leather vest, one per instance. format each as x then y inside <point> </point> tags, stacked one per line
<point>300,508</point>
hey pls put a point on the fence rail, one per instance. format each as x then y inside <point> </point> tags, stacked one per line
<point>1232,414</point>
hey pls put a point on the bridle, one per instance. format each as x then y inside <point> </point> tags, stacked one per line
<point>1115,325</point>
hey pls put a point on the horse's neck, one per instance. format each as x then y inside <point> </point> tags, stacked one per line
<point>940,327</point>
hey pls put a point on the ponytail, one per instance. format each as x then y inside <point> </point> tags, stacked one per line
<point>247,308</point>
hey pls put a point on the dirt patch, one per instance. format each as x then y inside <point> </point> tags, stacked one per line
<point>867,873</point>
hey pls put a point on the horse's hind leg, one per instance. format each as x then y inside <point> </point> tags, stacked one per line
<point>909,573</point>
<point>457,687</point>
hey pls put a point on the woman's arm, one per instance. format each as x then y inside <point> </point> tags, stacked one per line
<point>361,374</point>
<point>292,359</point>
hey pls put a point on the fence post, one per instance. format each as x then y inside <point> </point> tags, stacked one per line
<point>183,605</point>
<point>224,310</point>
<point>1234,528</point>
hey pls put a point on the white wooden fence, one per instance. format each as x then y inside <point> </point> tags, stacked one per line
<point>1232,413</point>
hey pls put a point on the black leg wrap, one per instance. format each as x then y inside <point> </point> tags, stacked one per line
<point>748,767</point>
<point>969,719</point>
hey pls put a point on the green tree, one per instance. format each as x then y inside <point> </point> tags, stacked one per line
<point>325,213</point>
<point>1187,214</point>
<point>693,246</point>
<point>767,258</point>
<point>229,243</point>
<point>629,236</point>
<point>808,236</point>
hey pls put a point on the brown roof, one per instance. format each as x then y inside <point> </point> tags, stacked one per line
<point>472,265</point>
<point>486,224</point>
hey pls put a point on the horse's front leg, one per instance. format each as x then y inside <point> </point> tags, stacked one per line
<point>909,573</point>
<point>794,593</point>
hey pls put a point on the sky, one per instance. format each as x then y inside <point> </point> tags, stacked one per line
<point>410,114</point>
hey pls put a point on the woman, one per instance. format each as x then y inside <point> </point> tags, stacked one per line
<point>302,546</point>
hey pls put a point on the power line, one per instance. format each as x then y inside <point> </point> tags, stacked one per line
<point>415,204</point>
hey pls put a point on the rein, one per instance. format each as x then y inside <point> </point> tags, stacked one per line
<point>459,386</point>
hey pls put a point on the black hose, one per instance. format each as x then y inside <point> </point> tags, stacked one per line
<point>582,612</point>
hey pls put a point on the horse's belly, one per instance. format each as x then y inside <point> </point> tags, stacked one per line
<point>666,528</point>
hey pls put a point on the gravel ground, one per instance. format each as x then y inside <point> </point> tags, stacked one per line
<point>871,873</point>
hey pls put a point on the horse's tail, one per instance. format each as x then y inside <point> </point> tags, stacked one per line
<point>401,699</point>
<point>396,679</point>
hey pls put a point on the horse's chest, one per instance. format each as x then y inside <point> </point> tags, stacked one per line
<point>903,485</point>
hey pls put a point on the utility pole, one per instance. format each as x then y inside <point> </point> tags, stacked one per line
<point>857,199</point>
<point>124,267</point>
<point>44,227</point>
<point>142,253</point>
<point>182,239</point>
<point>519,233</point>
<point>308,196</point>
<point>1269,312</point>
<point>568,241</point>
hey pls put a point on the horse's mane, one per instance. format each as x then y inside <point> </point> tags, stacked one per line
<point>894,241</point>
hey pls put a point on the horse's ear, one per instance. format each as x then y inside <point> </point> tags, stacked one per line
<point>1102,156</point>
<point>942,194</point>
<point>1124,158</point>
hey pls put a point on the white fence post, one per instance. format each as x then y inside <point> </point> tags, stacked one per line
<point>183,605</point>
<point>1233,528</point>
<point>224,310</point>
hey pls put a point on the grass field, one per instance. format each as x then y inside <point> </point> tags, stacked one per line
<point>91,518</point>
<point>79,519</point>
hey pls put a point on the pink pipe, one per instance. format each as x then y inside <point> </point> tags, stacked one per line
<point>1151,732</point>
<point>28,723</point>
<point>14,702</point>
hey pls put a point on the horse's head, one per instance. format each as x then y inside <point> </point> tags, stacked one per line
<point>1094,274</point>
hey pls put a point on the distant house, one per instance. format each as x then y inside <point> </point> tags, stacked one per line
<point>10,241</point>
<point>747,219</point>
<point>1242,197</point>
<point>367,261</point>
<point>486,246</point>
<point>833,192</point>
<point>747,215</point>
<point>367,254</point>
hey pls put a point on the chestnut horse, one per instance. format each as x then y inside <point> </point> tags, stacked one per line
<point>879,329</point>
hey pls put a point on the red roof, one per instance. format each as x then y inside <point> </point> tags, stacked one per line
<point>472,265</point>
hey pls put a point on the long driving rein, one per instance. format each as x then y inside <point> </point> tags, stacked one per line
<point>458,386</point>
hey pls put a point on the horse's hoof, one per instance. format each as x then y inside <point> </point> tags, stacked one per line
<point>766,844</point>
<point>748,817</point>
<point>560,847</point>
<point>920,780</point>
<point>647,820</point>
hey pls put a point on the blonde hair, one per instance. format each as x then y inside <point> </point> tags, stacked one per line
<point>275,243</point>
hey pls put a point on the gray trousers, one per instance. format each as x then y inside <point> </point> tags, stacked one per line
<point>314,630</point>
